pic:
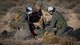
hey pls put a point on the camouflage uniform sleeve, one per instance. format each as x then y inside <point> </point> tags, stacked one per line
<point>61,24</point>
<point>52,23</point>
<point>23,17</point>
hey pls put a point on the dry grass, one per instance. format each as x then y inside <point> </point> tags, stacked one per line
<point>5,41</point>
<point>63,40</point>
<point>67,41</point>
<point>50,38</point>
<point>47,40</point>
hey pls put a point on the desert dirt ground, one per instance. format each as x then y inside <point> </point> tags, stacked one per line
<point>5,41</point>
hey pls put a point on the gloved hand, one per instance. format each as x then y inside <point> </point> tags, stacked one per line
<point>34,32</point>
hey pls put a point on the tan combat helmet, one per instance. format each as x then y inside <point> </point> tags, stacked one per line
<point>37,7</point>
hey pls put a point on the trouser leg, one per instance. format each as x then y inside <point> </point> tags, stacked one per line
<point>32,29</point>
<point>61,31</point>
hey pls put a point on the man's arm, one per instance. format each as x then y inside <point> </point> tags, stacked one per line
<point>52,23</point>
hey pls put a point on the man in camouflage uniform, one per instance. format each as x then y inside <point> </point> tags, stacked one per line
<point>58,24</point>
<point>19,25</point>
